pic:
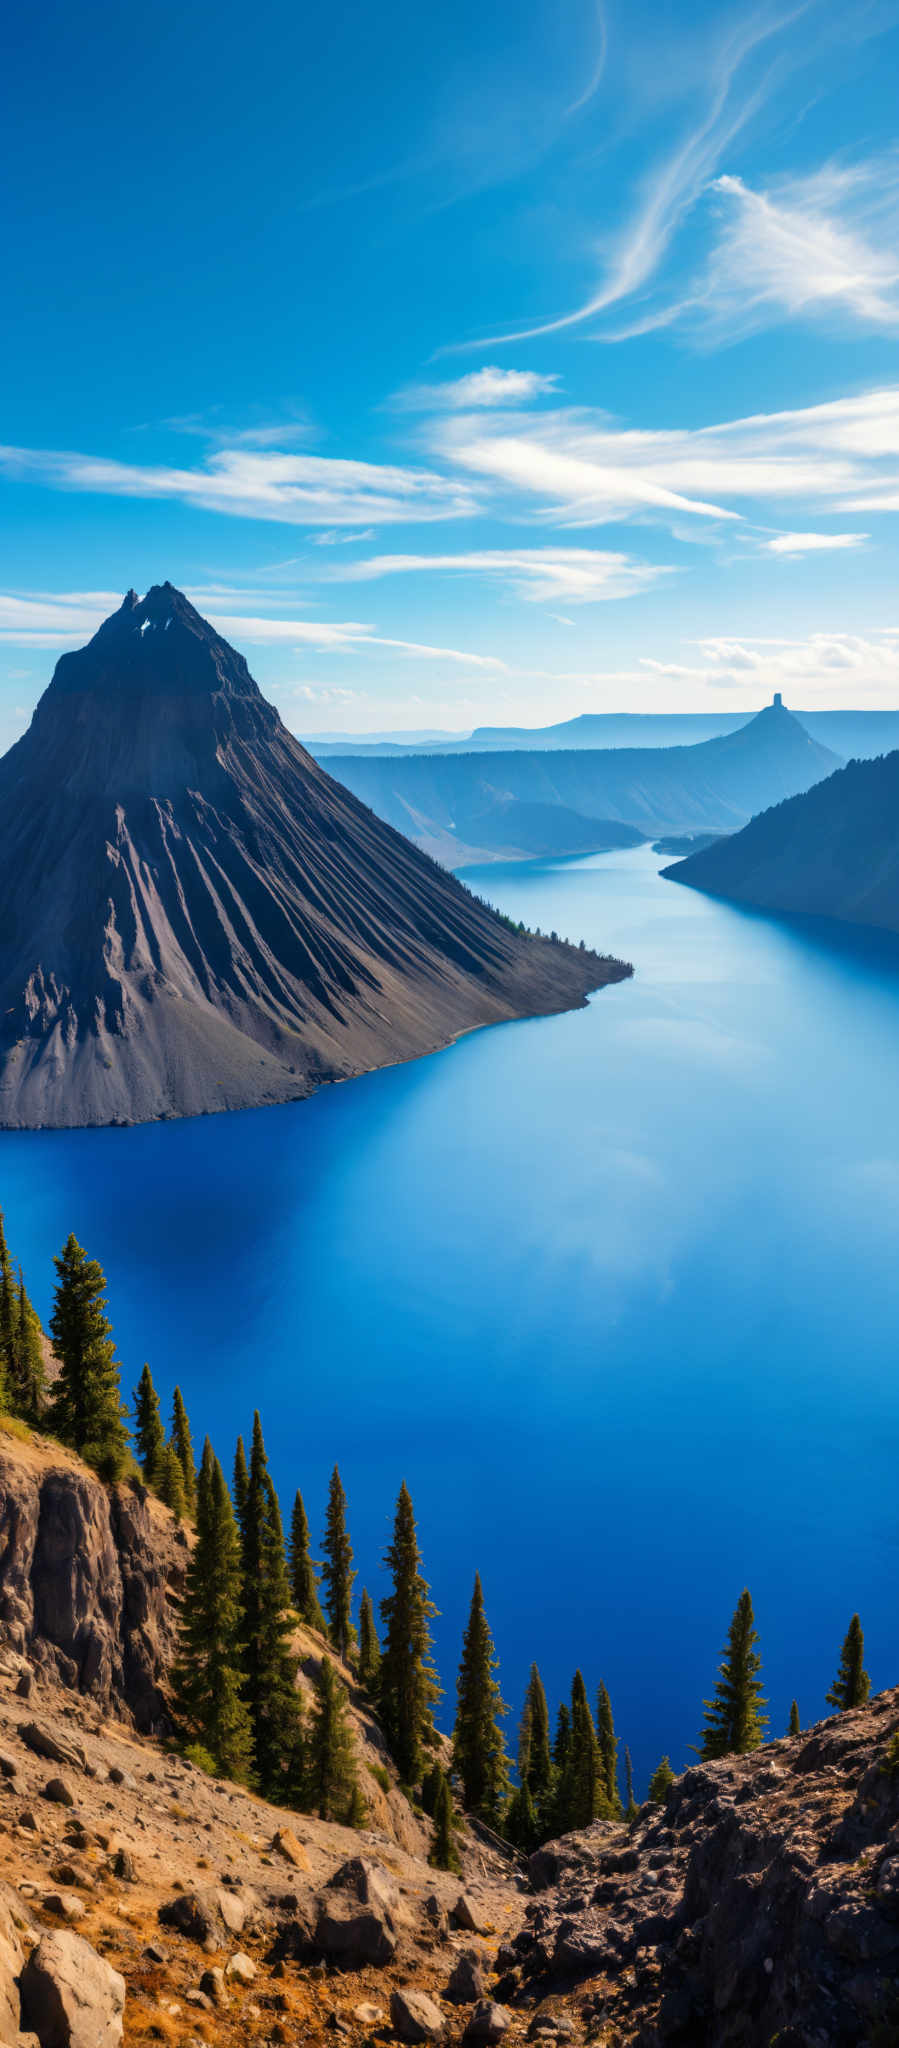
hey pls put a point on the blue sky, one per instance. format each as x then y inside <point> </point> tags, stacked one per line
<point>466,364</point>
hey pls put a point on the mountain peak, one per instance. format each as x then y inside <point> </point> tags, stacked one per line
<point>156,645</point>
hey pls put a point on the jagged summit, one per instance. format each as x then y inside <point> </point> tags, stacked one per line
<point>193,916</point>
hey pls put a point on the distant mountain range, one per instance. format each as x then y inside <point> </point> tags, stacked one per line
<point>861,734</point>
<point>194,916</point>
<point>833,852</point>
<point>462,808</point>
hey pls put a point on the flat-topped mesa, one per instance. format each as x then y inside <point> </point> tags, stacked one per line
<point>194,916</point>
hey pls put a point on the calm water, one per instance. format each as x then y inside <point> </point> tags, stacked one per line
<point>616,1292</point>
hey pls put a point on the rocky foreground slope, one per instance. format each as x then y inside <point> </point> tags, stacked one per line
<point>195,917</point>
<point>141,1900</point>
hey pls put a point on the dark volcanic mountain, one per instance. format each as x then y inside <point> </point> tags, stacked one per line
<point>193,916</point>
<point>459,806</point>
<point>831,853</point>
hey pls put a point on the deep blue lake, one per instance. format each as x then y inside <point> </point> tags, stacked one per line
<point>616,1292</point>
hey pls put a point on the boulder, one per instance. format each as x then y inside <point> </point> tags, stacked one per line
<point>465,1914</point>
<point>11,1959</point>
<point>415,2017</point>
<point>467,1984</point>
<point>286,1844</point>
<point>210,1912</point>
<point>353,1936</point>
<point>66,1905</point>
<point>241,1968</point>
<point>488,2023</point>
<point>71,1998</point>
<point>58,1792</point>
<point>57,1749</point>
<point>368,1882</point>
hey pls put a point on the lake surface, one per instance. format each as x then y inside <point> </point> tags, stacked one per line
<point>616,1292</point>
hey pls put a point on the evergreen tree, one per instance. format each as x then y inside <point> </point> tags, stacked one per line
<point>331,1769</point>
<point>269,1666</point>
<point>408,1682</point>
<point>562,1743</point>
<point>26,1375</point>
<point>369,1647</point>
<point>608,1749</point>
<point>444,1854</point>
<point>539,1761</point>
<point>734,1722</point>
<point>207,1678</point>
<point>852,1684</point>
<point>86,1410</point>
<point>240,1487</point>
<point>184,1451</point>
<point>303,1574</point>
<point>337,1571</point>
<point>149,1435</point>
<point>7,1316</point>
<point>521,1824</point>
<point>170,1481</point>
<point>795,1727</point>
<point>630,1811</point>
<point>662,1777</point>
<point>581,1795</point>
<point>479,1751</point>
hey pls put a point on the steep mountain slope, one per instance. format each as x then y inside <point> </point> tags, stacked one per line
<point>833,852</point>
<point>193,916</point>
<point>447,800</point>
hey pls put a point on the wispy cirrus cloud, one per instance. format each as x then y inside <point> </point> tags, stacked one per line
<point>579,575</point>
<point>490,387</point>
<point>812,543</point>
<point>43,619</point>
<point>293,489</point>
<point>835,665</point>
<point>815,248</point>
<point>586,469</point>
<point>731,92</point>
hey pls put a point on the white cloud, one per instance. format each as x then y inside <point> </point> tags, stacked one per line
<point>678,180</point>
<point>587,469</point>
<point>579,575</point>
<point>298,490</point>
<point>812,543</point>
<point>839,667</point>
<point>486,388</point>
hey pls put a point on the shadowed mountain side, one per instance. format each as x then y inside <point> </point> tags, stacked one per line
<point>444,801</point>
<point>833,852</point>
<point>194,916</point>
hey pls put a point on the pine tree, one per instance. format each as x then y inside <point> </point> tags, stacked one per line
<point>26,1377</point>
<point>86,1410</point>
<point>331,1770</point>
<point>662,1777</point>
<point>795,1727</point>
<point>562,1743</point>
<point>337,1571</point>
<point>269,1666</point>
<point>539,1761</point>
<point>521,1825</point>
<point>479,1751</point>
<point>240,1487</point>
<point>581,1795</point>
<point>7,1316</point>
<point>408,1682</point>
<point>852,1685</point>
<point>170,1481</point>
<point>734,1722</point>
<point>369,1647</point>
<point>608,1749</point>
<point>207,1678</point>
<point>149,1435</point>
<point>630,1811</point>
<point>303,1573</point>
<point>184,1451</point>
<point>444,1854</point>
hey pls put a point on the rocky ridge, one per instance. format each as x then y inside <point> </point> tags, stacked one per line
<point>141,1900</point>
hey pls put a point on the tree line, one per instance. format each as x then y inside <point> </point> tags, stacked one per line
<point>238,1707</point>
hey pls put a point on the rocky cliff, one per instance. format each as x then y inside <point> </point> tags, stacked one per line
<point>90,1578</point>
